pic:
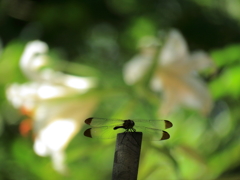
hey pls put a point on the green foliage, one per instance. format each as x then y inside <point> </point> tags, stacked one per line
<point>229,59</point>
<point>9,63</point>
<point>138,28</point>
<point>227,56</point>
<point>230,81</point>
<point>88,39</point>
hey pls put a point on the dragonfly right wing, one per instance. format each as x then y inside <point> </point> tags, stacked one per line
<point>152,134</point>
<point>159,124</point>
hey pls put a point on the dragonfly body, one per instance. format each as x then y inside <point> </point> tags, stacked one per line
<point>127,124</point>
<point>109,128</point>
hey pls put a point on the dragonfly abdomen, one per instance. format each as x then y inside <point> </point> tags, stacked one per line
<point>117,127</point>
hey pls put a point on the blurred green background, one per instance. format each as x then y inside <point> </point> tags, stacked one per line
<point>95,38</point>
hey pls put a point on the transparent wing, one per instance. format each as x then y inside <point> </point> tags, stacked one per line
<point>95,122</point>
<point>152,134</point>
<point>107,132</point>
<point>159,124</point>
<point>103,132</point>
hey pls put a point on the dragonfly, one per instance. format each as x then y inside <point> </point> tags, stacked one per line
<point>104,128</point>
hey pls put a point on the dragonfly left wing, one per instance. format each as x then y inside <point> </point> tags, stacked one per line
<point>103,132</point>
<point>95,122</point>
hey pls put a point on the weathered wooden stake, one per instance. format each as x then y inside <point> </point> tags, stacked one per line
<point>127,154</point>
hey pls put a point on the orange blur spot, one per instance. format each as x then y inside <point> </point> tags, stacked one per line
<point>25,127</point>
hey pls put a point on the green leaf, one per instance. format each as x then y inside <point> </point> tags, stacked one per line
<point>226,56</point>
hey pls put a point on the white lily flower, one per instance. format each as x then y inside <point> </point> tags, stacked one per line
<point>175,75</point>
<point>48,100</point>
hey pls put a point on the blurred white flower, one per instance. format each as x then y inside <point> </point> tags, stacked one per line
<point>50,101</point>
<point>175,75</point>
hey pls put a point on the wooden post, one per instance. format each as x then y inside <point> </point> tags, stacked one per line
<point>127,154</point>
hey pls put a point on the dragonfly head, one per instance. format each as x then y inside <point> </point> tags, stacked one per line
<point>128,124</point>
